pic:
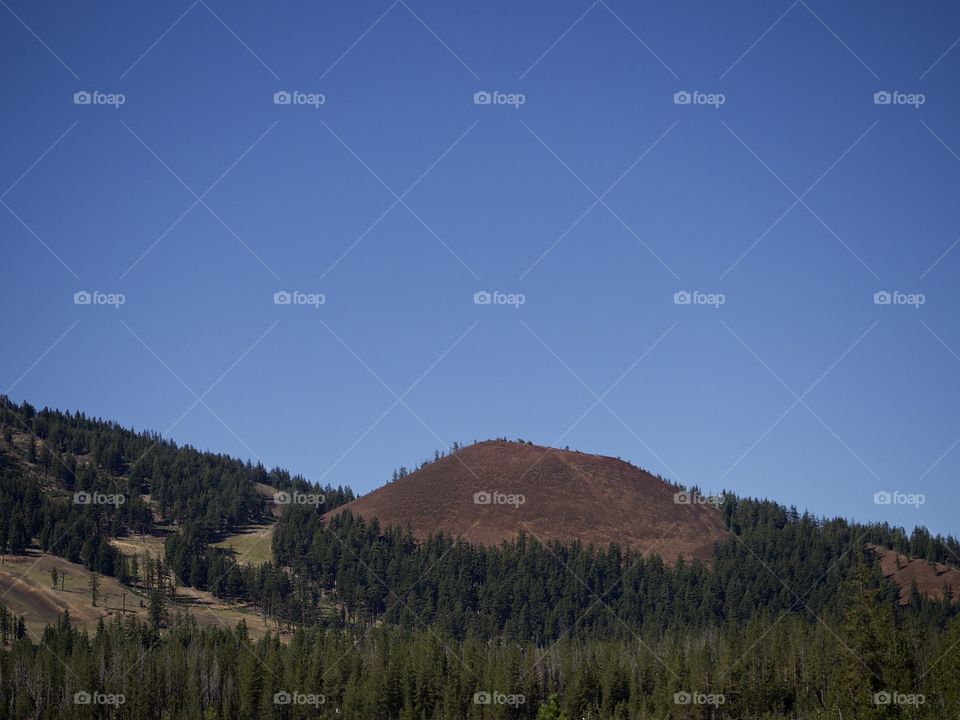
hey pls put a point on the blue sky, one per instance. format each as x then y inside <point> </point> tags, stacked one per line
<point>784,189</point>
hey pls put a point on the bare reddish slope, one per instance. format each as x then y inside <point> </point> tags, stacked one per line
<point>931,578</point>
<point>567,496</point>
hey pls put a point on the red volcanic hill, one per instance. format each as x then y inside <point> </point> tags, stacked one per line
<point>494,490</point>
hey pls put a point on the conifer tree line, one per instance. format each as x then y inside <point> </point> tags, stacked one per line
<point>524,591</point>
<point>870,662</point>
<point>789,617</point>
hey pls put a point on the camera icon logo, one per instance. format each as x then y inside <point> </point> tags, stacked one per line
<point>482,97</point>
<point>882,698</point>
<point>282,297</point>
<point>882,498</point>
<point>682,698</point>
<point>282,698</point>
<point>682,298</point>
<point>282,498</point>
<point>82,498</point>
<point>482,498</point>
<point>682,498</point>
<point>882,98</point>
<point>282,97</point>
<point>82,298</point>
<point>882,297</point>
<point>82,97</point>
<point>482,698</point>
<point>682,98</point>
<point>81,698</point>
<point>482,298</point>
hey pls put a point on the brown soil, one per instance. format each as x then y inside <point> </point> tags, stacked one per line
<point>931,578</point>
<point>568,496</point>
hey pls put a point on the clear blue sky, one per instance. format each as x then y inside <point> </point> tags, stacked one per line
<point>796,199</point>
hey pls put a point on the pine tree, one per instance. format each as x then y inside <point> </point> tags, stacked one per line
<point>19,537</point>
<point>157,611</point>
<point>94,585</point>
<point>949,670</point>
<point>872,661</point>
<point>550,710</point>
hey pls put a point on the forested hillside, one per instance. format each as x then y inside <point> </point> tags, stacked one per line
<point>789,616</point>
<point>73,482</point>
<point>872,665</point>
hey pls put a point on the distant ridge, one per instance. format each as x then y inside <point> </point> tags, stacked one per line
<point>494,490</point>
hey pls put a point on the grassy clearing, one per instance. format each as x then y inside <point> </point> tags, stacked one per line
<point>26,588</point>
<point>140,545</point>
<point>252,545</point>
